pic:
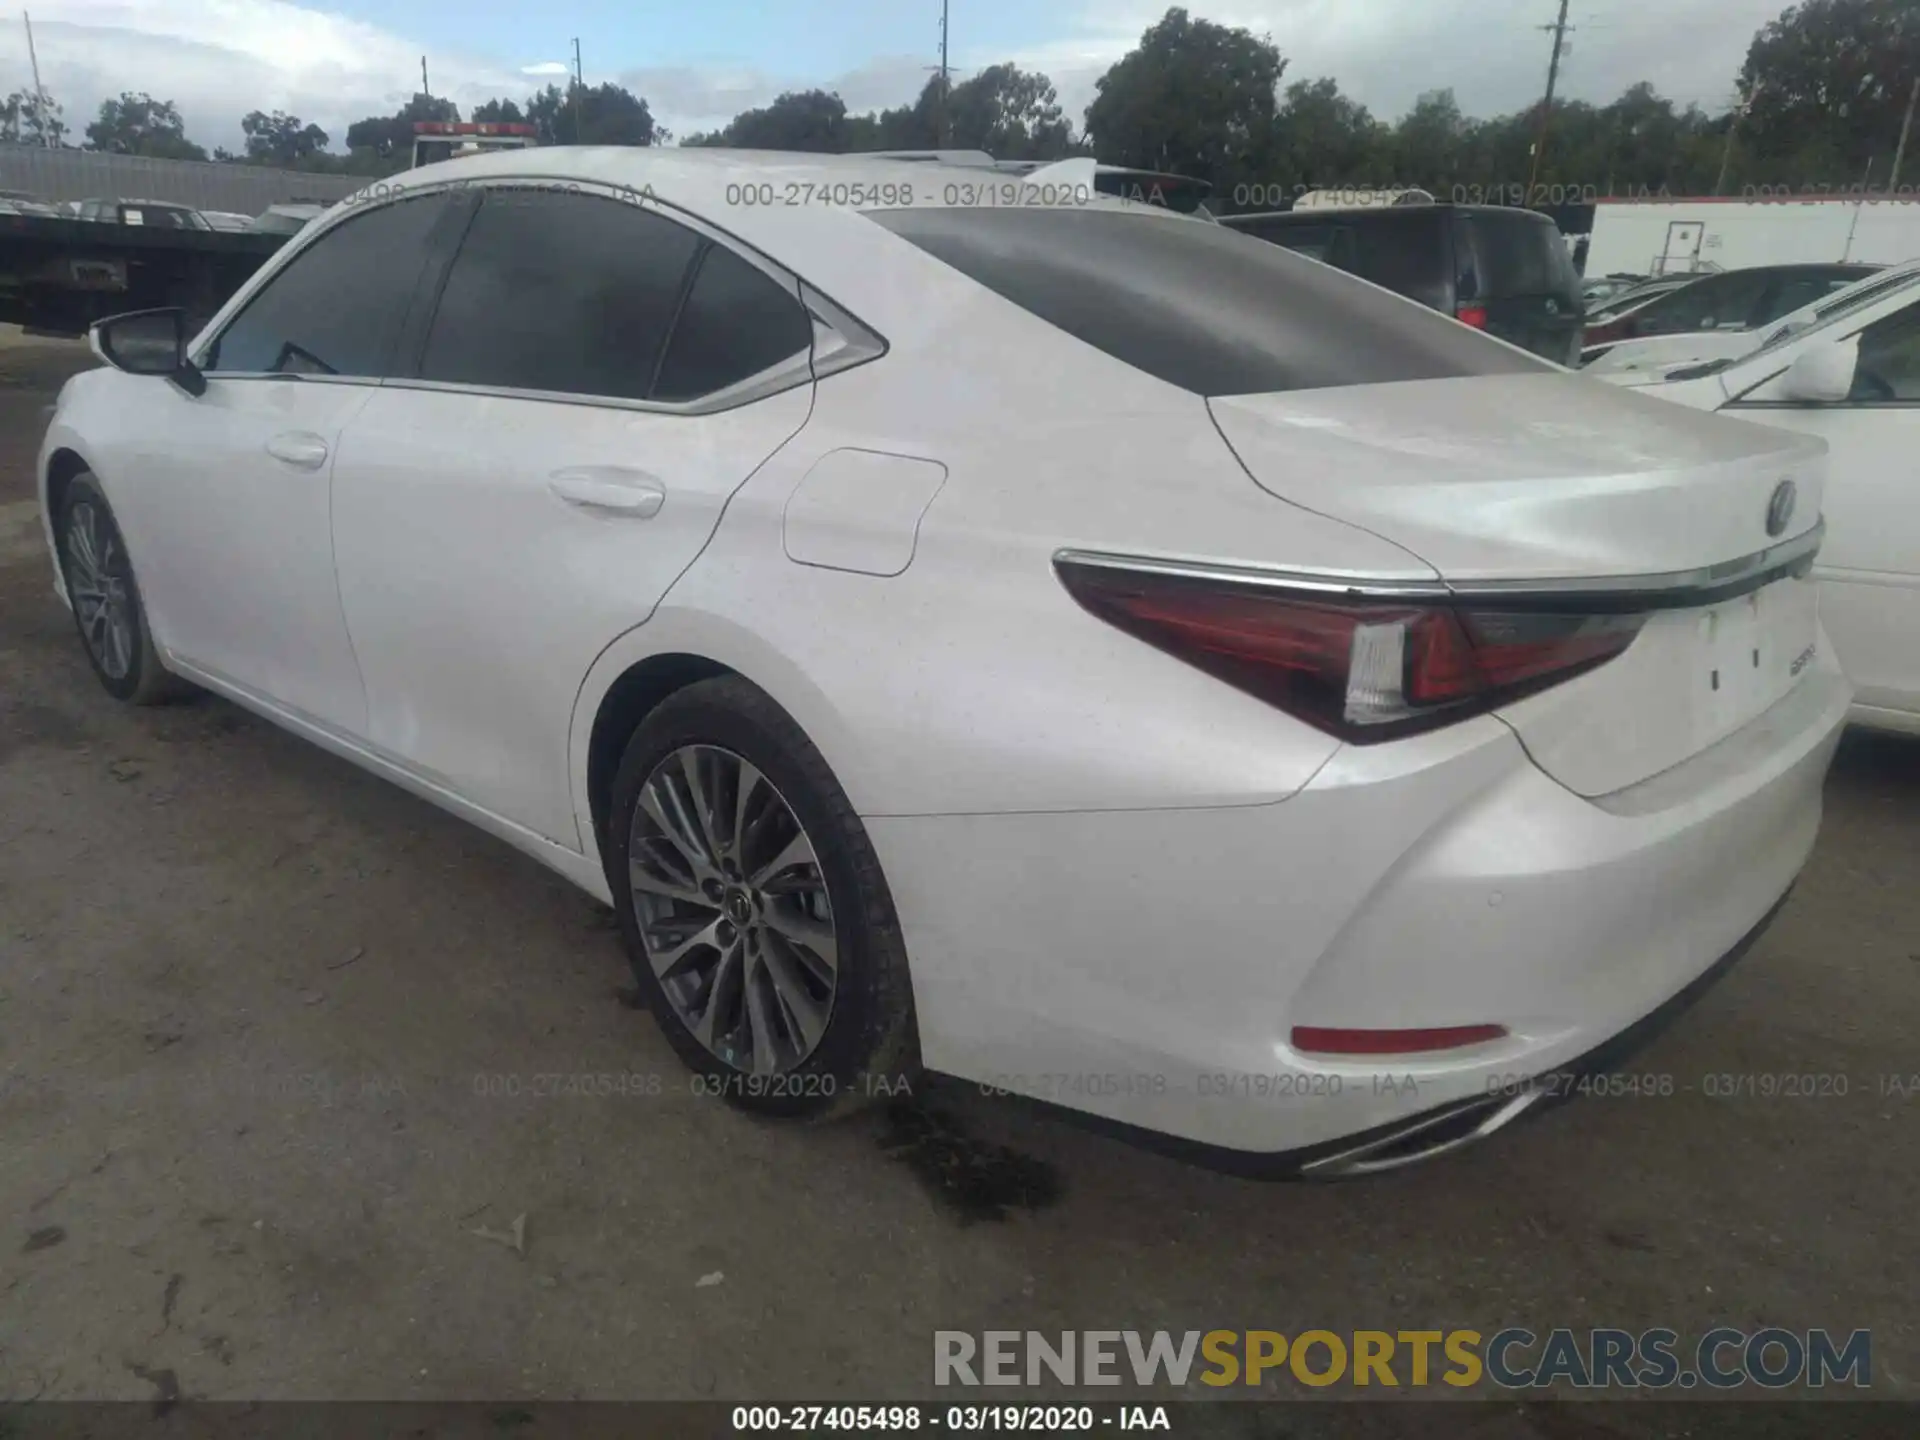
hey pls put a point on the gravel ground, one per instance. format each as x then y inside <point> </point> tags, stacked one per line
<point>252,1002</point>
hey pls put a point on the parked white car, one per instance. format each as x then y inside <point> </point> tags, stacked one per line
<point>1070,645</point>
<point>1658,357</point>
<point>1850,375</point>
<point>1673,328</point>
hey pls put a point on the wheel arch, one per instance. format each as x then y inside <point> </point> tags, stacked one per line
<point>680,646</point>
<point>633,695</point>
<point>62,465</point>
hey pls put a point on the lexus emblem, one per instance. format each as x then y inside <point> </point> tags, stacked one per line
<point>1780,508</point>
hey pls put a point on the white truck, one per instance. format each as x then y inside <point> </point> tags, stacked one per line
<point>437,140</point>
<point>1669,236</point>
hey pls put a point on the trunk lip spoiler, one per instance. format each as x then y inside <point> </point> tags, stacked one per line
<point>1668,590</point>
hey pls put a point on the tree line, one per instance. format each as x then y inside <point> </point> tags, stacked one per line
<point>1819,103</point>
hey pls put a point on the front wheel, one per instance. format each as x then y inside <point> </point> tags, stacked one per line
<point>105,598</point>
<point>759,925</point>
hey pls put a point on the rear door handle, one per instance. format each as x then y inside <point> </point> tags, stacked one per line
<point>611,488</point>
<point>300,448</point>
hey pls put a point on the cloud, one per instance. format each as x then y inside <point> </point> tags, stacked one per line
<point>219,59</point>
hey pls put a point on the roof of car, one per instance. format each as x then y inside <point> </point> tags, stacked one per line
<point>699,177</point>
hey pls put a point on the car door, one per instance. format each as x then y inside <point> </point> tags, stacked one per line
<point>1869,567</point>
<point>596,381</point>
<point>229,491</point>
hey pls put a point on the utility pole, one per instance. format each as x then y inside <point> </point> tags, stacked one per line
<point>940,134</point>
<point>1906,126</point>
<point>46,130</point>
<point>1559,29</point>
<point>579,84</point>
<point>425,89</point>
<point>1733,129</point>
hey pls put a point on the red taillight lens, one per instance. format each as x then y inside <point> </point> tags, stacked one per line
<point>1474,315</point>
<point>1323,1041</point>
<point>1360,669</point>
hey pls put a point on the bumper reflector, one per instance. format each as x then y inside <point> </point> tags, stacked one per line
<point>1324,1041</point>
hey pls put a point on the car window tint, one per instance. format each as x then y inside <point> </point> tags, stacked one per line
<point>1406,252</point>
<point>337,306</point>
<point>1798,291</point>
<point>1329,244</point>
<point>1889,366</point>
<point>1722,302</point>
<point>1197,305</point>
<point>1516,255</point>
<point>560,291</point>
<point>736,322</point>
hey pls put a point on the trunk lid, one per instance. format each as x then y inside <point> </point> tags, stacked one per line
<point>1543,479</point>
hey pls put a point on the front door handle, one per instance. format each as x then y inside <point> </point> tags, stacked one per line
<point>299,448</point>
<point>611,488</point>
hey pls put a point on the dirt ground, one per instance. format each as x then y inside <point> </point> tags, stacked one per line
<point>254,1007</point>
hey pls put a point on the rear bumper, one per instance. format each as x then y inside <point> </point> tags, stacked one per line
<point>1147,968</point>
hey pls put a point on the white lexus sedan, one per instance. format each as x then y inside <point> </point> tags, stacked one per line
<point>958,621</point>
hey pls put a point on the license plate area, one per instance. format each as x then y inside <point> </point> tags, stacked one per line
<point>1750,651</point>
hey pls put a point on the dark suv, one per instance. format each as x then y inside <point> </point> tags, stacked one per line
<point>1500,270</point>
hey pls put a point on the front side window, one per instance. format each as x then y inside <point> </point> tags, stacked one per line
<point>337,307</point>
<point>560,291</point>
<point>1889,367</point>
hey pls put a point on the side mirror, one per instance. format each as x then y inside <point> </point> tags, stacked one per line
<point>1822,374</point>
<point>148,342</point>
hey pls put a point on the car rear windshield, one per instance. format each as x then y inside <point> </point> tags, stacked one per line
<point>1515,255</point>
<point>1197,305</point>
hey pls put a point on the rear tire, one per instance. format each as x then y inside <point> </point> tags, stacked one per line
<point>781,982</point>
<point>105,599</point>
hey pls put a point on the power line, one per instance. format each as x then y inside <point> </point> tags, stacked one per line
<point>941,124</point>
<point>579,84</point>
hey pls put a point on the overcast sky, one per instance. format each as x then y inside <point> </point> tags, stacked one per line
<point>700,63</point>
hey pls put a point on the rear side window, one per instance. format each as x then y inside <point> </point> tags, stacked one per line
<point>1506,257</point>
<point>1197,305</point>
<point>1720,302</point>
<point>1329,244</point>
<point>337,306</point>
<point>737,321</point>
<point>559,291</point>
<point>1404,251</point>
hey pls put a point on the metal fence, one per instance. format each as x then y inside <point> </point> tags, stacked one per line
<point>205,185</point>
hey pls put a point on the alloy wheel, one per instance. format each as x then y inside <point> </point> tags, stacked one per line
<point>98,585</point>
<point>733,910</point>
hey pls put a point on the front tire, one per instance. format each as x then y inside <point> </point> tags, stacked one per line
<point>754,912</point>
<point>105,598</point>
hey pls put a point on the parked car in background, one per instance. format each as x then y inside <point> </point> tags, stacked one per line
<point>1501,270</point>
<point>1732,300</point>
<point>156,214</point>
<point>1851,377</point>
<point>1667,355</point>
<point>1597,292</point>
<point>16,206</point>
<point>286,219</point>
<point>1428,707</point>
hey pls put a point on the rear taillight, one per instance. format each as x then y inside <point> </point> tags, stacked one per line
<point>1474,315</point>
<point>1364,670</point>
